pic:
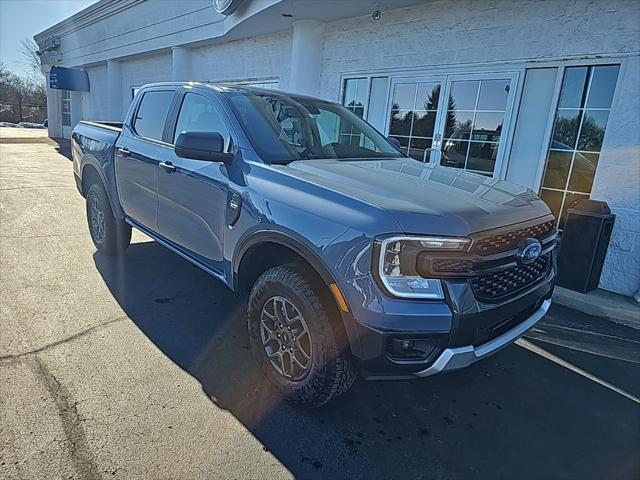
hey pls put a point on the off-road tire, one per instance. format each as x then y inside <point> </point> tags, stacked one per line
<point>115,235</point>
<point>332,372</point>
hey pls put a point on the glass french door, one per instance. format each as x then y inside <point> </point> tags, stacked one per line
<point>454,120</point>
<point>416,104</point>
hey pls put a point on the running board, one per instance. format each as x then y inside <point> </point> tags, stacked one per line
<point>176,250</point>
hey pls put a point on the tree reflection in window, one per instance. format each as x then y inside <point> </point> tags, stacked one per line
<point>354,98</point>
<point>413,117</point>
<point>355,95</point>
<point>475,114</point>
<point>473,124</point>
<point>578,134</point>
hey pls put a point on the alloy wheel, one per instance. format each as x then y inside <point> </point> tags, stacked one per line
<point>286,339</point>
<point>96,215</point>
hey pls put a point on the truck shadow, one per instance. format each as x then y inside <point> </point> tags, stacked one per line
<point>515,415</point>
<point>62,146</point>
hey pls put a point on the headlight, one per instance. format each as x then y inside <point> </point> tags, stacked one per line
<point>398,259</point>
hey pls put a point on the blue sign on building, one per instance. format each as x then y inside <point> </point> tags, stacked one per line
<point>74,79</point>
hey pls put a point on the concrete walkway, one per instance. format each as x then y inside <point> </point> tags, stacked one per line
<point>600,303</point>
<point>23,133</point>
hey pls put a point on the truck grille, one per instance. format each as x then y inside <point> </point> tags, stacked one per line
<point>506,241</point>
<point>452,265</point>
<point>510,281</point>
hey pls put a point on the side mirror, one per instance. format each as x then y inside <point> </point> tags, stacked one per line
<point>202,146</point>
<point>395,142</point>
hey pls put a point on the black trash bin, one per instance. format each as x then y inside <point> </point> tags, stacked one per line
<point>583,245</point>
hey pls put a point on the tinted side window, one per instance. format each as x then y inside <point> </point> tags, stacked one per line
<point>152,114</point>
<point>198,114</point>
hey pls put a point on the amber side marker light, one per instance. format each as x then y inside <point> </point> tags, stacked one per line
<point>337,294</point>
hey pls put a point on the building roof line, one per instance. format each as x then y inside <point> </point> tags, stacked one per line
<point>90,15</point>
<point>133,30</point>
<point>148,39</point>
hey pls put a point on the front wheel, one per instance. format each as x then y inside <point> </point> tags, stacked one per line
<point>109,234</point>
<point>294,340</point>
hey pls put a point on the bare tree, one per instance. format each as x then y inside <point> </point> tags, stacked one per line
<point>21,98</point>
<point>4,72</point>
<point>31,57</point>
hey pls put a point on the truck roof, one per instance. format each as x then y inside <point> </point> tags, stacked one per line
<point>231,87</point>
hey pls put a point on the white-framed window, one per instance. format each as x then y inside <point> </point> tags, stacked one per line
<point>457,120</point>
<point>65,107</point>
<point>469,130</point>
<point>415,110</point>
<point>356,95</point>
<point>367,98</point>
<point>478,110</point>
<point>579,126</point>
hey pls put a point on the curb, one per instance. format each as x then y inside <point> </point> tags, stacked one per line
<point>600,303</point>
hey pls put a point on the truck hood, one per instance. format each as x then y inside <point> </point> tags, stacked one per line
<point>423,198</point>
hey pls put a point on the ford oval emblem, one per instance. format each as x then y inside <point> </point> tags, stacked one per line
<point>529,251</point>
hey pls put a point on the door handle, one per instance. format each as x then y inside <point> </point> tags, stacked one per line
<point>168,166</point>
<point>125,152</point>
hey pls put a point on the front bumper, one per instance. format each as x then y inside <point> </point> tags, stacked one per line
<point>460,357</point>
<point>463,328</point>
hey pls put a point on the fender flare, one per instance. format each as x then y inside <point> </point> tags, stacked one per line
<point>298,245</point>
<point>90,160</point>
<point>287,239</point>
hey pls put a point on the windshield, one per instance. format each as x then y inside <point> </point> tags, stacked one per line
<point>283,129</point>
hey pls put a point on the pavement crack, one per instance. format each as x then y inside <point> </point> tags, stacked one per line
<point>63,341</point>
<point>33,187</point>
<point>46,235</point>
<point>75,436</point>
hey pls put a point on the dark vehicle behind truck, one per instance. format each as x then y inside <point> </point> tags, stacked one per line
<point>355,258</point>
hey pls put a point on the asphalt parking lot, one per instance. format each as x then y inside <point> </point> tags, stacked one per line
<point>141,369</point>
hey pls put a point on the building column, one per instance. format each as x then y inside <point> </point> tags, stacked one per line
<point>76,108</point>
<point>54,107</point>
<point>180,64</point>
<point>114,91</point>
<point>306,57</point>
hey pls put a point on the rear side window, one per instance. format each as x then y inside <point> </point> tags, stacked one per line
<point>152,114</point>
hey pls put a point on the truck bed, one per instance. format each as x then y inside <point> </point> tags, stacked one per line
<point>104,124</point>
<point>93,144</point>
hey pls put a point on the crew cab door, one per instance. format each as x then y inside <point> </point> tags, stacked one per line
<point>192,194</point>
<point>136,156</point>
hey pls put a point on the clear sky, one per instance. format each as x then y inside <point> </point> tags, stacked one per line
<point>20,19</point>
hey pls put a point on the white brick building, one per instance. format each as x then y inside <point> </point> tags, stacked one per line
<point>541,93</point>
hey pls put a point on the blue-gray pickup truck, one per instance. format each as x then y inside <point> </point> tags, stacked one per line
<point>355,258</point>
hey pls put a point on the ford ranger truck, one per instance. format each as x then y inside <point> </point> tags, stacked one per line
<point>355,258</point>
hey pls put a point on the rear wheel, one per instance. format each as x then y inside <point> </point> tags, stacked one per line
<point>293,337</point>
<point>109,235</point>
